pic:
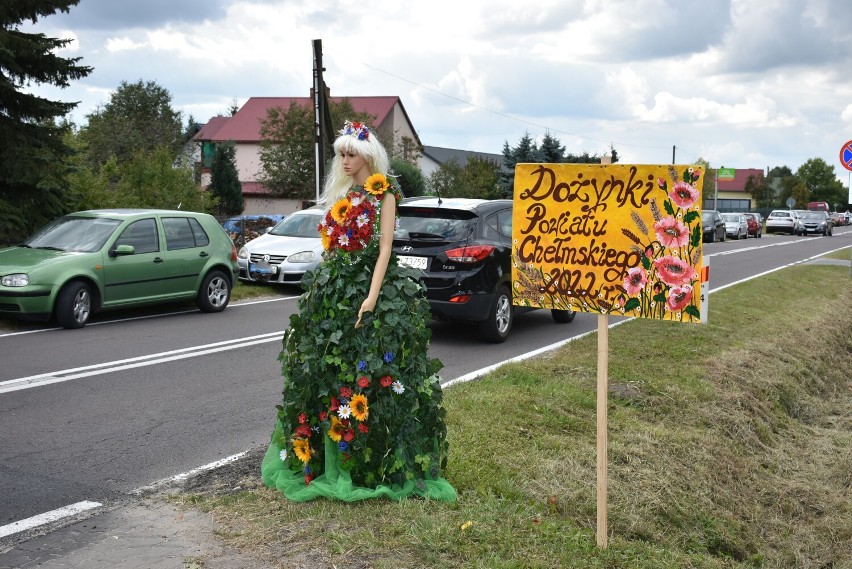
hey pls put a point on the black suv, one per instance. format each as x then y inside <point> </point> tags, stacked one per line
<point>464,248</point>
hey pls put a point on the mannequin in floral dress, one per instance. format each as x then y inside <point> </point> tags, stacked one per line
<point>361,415</point>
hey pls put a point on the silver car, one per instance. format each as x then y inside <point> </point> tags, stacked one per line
<point>284,253</point>
<point>736,225</point>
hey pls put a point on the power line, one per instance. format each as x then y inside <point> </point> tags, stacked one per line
<point>498,113</point>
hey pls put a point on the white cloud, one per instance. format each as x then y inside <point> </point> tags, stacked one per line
<point>114,45</point>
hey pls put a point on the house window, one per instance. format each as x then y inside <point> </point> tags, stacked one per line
<point>208,149</point>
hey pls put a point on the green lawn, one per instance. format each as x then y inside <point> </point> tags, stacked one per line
<point>728,447</point>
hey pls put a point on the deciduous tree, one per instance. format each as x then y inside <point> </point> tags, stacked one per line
<point>138,118</point>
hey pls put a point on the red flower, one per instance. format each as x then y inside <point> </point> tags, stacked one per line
<point>303,431</point>
<point>345,392</point>
<point>363,428</point>
<point>308,478</point>
<point>302,417</point>
<point>363,382</point>
<point>335,404</point>
<point>323,415</point>
<point>386,381</point>
<point>348,435</point>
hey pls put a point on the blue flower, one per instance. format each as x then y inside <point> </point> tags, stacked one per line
<point>343,445</point>
<point>388,357</point>
<point>362,365</point>
<point>307,469</point>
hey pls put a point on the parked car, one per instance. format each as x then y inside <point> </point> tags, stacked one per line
<point>837,218</point>
<point>817,222</point>
<point>244,228</point>
<point>755,224</point>
<point>464,248</point>
<point>784,221</point>
<point>736,225</point>
<point>712,225</point>
<point>286,252</point>
<point>105,259</point>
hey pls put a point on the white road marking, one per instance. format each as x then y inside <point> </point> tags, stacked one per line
<point>47,517</point>
<point>140,361</point>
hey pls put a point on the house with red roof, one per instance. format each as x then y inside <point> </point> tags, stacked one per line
<point>244,130</point>
<point>732,194</point>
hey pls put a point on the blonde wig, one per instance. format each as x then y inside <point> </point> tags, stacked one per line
<point>360,141</point>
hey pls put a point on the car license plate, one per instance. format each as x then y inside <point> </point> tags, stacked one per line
<point>415,262</point>
<point>264,269</point>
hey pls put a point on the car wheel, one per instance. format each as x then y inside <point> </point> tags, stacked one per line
<point>724,236</point>
<point>215,292</point>
<point>759,234</point>
<point>712,237</point>
<point>496,329</point>
<point>563,316</point>
<point>74,305</point>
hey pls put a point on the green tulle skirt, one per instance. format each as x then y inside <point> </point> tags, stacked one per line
<point>393,443</point>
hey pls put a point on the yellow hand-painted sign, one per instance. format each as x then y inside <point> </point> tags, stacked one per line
<point>609,239</point>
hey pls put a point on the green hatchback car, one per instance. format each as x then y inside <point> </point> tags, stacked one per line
<point>105,259</point>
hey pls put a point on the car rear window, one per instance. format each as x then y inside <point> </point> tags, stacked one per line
<point>779,214</point>
<point>435,224</point>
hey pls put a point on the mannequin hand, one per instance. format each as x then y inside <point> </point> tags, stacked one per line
<point>367,306</point>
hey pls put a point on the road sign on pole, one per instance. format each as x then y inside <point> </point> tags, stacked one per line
<point>846,155</point>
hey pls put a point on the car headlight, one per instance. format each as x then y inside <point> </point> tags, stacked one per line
<point>17,279</point>
<point>244,253</point>
<point>303,257</point>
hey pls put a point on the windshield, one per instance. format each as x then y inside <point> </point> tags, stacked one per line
<point>437,224</point>
<point>80,234</point>
<point>707,216</point>
<point>813,215</point>
<point>731,217</point>
<point>298,225</point>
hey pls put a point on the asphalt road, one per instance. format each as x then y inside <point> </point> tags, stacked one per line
<point>138,397</point>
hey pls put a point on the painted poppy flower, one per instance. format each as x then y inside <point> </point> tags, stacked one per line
<point>684,195</point>
<point>363,382</point>
<point>386,381</point>
<point>635,280</point>
<point>671,232</point>
<point>346,392</point>
<point>679,298</point>
<point>673,271</point>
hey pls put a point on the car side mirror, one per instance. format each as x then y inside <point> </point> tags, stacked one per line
<point>122,250</point>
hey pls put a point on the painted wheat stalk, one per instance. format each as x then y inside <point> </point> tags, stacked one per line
<point>655,210</point>
<point>639,222</point>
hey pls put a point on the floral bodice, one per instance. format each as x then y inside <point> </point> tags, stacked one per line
<point>353,221</point>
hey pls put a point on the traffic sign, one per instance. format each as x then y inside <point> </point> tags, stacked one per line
<point>846,155</point>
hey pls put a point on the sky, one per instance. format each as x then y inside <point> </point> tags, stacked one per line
<point>739,83</point>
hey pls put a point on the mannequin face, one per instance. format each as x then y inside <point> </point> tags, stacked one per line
<point>354,165</point>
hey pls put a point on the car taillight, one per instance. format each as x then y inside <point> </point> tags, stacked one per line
<point>469,254</point>
<point>460,298</point>
<point>233,252</point>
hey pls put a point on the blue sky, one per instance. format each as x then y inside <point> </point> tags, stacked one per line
<point>740,83</point>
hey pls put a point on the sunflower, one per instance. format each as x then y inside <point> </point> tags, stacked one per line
<point>302,448</point>
<point>376,184</point>
<point>335,432</point>
<point>339,210</point>
<point>358,407</point>
<point>326,240</point>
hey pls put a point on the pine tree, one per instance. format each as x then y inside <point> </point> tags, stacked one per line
<point>33,150</point>
<point>225,185</point>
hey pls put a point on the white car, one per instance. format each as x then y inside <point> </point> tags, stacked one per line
<point>736,225</point>
<point>783,220</point>
<point>284,253</point>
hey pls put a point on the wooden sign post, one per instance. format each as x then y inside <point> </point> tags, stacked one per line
<point>602,444</point>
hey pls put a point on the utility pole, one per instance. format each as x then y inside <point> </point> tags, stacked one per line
<point>322,117</point>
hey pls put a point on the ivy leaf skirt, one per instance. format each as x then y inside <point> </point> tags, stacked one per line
<point>361,413</point>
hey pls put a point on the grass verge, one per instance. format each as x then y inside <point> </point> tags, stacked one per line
<point>728,447</point>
